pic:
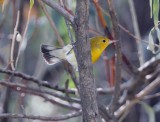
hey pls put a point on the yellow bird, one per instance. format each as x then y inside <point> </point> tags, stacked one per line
<point>54,55</point>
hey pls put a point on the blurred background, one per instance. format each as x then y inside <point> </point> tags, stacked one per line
<point>40,32</point>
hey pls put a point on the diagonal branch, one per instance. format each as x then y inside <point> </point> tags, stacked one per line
<point>56,101</point>
<point>19,87</point>
<point>35,80</point>
<point>60,10</point>
<point>51,23</point>
<point>155,84</point>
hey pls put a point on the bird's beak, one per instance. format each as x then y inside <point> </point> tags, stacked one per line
<point>113,41</point>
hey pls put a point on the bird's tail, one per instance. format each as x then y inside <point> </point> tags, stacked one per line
<point>52,55</point>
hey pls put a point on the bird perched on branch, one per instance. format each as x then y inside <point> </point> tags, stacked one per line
<point>54,55</point>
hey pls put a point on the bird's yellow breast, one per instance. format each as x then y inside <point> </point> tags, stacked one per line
<point>98,45</point>
<point>95,53</point>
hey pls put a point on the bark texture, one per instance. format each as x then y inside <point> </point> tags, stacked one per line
<point>86,79</point>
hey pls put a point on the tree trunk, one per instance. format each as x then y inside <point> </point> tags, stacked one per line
<point>87,87</point>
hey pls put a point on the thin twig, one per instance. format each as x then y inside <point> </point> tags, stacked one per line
<point>67,24</point>
<point>70,69</point>
<point>35,80</point>
<point>144,70</point>
<point>13,42</point>
<point>109,64</point>
<point>56,101</point>
<point>136,30</point>
<point>51,23</point>
<point>153,85</point>
<point>60,10</point>
<point>136,80</point>
<point>139,77</point>
<point>152,96</point>
<point>93,31</point>
<point>118,59</point>
<point>23,37</point>
<point>55,94</point>
<point>72,73</point>
<point>42,118</point>
<point>134,37</point>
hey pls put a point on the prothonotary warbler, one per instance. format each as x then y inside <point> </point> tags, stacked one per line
<point>54,55</point>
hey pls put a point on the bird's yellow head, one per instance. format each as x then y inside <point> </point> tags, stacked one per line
<point>100,42</point>
<point>98,45</point>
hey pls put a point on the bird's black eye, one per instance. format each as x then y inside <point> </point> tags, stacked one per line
<point>104,41</point>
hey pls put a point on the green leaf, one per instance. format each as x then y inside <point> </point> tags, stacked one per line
<point>151,45</point>
<point>31,3</point>
<point>71,84</point>
<point>149,110</point>
<point>150,3</point>
<point>155,12</point>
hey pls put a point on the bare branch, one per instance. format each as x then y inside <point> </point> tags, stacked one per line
<point>60,10</point>
<point>13,42</point>
<point>35,80</point>
<point>139,96</point>
<point>136,30</point>
<point>152,96</point>
<point>138,79</point>
<point>139,76</point>
<point>67,23</point>
<point>153,85</point>
<point>132,84</point>
<point>36,90</point>
<point>23,37</point>
<point>51,23</point>
<point>42,118</point>
<point>24,89</point>
<point>118,57</point>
